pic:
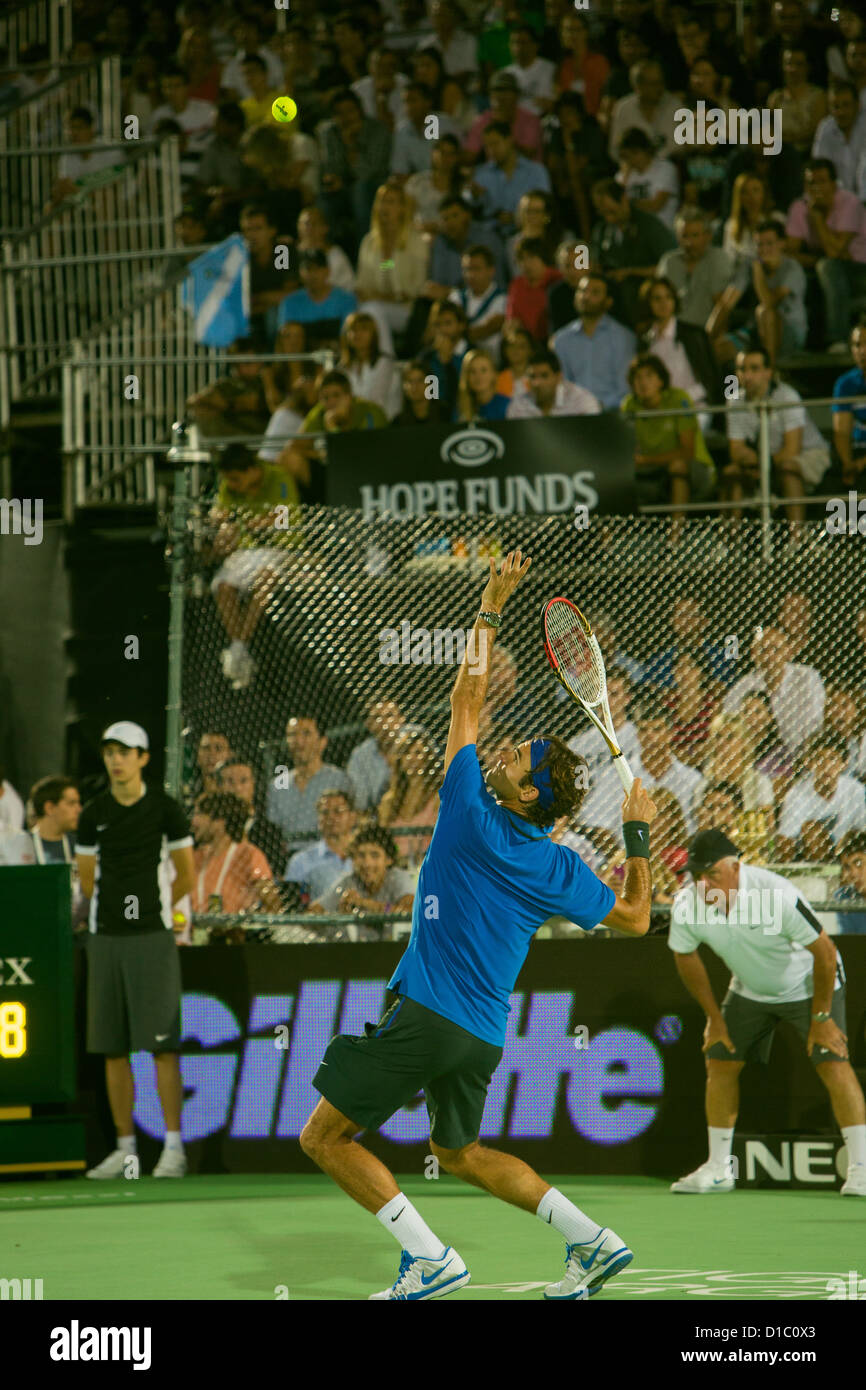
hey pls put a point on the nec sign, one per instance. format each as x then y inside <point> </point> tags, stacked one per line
<point>247,1084</point>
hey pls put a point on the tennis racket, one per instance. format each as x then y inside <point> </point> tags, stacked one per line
<point>575,656</point>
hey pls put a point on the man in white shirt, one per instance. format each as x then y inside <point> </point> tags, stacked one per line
<point>195,118</point>
<point>784,967</point>
<point>649,107</point>
<point>248,36</point>
<point>841,136</point>
<point>458,48</point>
<point>602,805</point>
<point>317,869</point>
<point>549,393</point>
<point>651,184</point>
<point>796,692</point>
<point>535,76</point>
<point>481,299</point>
<point>381,91</point>
<point>822,806</point>
<point>11,806</point>
<point>658,766</point>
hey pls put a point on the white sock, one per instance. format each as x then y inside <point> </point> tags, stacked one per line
<point>720,1148</point>
<point>172,1139</point>
<point>855,1138</point>
<point>238,646</point>
<point>557,1211</point>
<point>126,1143</point>
<point>407,1227</point>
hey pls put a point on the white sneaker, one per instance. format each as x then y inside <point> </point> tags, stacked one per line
<point>422,1278</point>
<point>855,1183</point>
<point>588,1267</point>
<point>111,1167</point>
<point>172,1164</point>
<point>707,1178</point>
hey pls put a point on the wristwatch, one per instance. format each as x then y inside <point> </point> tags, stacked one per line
<point>494,619</point>
<point>820,1018</point>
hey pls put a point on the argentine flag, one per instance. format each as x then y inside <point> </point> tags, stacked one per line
<point>216,292</point>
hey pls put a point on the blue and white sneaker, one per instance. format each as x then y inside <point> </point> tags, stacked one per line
<point>588,1267</point>
<point>708,1178</point>
<point>421,1278</point>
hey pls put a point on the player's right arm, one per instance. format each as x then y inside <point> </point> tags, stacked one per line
<point>631,911</point>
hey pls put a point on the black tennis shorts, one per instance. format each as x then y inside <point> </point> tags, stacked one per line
<point>133,993</point>
<point>410,1049</point>
<point>752,1023</point>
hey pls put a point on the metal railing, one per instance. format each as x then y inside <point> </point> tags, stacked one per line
<point>36,21</point>
<point>38,123</point>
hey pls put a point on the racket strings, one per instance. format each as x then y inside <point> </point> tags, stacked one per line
<point>578,663</point>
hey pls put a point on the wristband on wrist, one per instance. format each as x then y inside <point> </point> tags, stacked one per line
<point>636,834</point>
<point>494,619</point>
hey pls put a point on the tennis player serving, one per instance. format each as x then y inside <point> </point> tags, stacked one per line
<point>490,877</point>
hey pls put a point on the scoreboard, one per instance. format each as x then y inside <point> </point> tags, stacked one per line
<point>37,1028</point>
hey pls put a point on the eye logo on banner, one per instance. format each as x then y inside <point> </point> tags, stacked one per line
<point>471,448</point>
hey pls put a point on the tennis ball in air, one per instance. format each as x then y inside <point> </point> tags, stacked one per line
<point>284,109</point>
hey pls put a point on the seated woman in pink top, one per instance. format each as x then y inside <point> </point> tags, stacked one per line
<point>411,801</point>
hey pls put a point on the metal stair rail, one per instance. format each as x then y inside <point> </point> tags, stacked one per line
<point>36,21</point>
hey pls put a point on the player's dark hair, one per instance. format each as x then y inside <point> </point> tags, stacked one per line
<point>225,807</point>
<point>48,789</point>
<point>567,769</point>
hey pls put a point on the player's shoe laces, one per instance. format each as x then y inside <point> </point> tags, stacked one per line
<point>172,1164</point>
<point>422,1278</point>
<point>588,1267</point>
<point>707,1178</point>
<point>855,1183</point>
<point>112,1167</point>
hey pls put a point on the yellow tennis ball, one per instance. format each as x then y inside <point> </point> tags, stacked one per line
<point>284,109</point>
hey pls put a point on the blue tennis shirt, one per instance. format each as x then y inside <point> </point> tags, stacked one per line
<point>488,881</point>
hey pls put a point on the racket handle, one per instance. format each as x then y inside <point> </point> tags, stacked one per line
<point>625,773</point>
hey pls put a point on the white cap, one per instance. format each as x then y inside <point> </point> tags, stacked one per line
<point>126,732</point>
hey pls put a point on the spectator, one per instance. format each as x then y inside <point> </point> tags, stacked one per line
<point>381,91</point>
<point>527,293</point>
<point>320,306</point>
<point>692,706</point>
<point>76,171</point>
<point>289,386</point>
<point>370,763</point>
<point>659,767</point>
<point>626,245</point>
<point>517,348</point>
<point>649,107</point>
<point>214,747</point>
<point>548,393</point>
<point>293,795</point>
<point>821,806</point>
<point>429,188</point>
<point>788,21</point>
<point>806,643</point>
<point>453,43</point>
<point>195,118</point>
<point>355,158</point>
<point>411,801</point>
<point>704,162</point>
<point>720,808</point>
<point>269,283</point>
<point>669,846</point>
<point>301,65</point>
<point>751,205</point>
<point>372,374</point>
<point>801,104</point>
<point>51,840</point>
<point>233,404</point>
<point>688,625</point>
<point>521,122</point>
<point>684,348</point>
<point>581,69</point>
<point>534,75</point>
<point>612,649</point>
<point>603,803</point>
<point>247,34</point>
<point>841,135</point>
<point>262,92</point>
<point>536,217</point>
<point>235,778</point>
<point>481,299</point>
<point>778,282</point>
<point>595,350</point>
<point>252,549</point>
<point>417,407</point>
<point>672,461</point>
<point>826,231</point>
<point>317,869</point>
<point>231,875</point>
<point>196,56</point>
<point>799,455</point>
<point>771,755</point>
<point>458,231</point>
<point>411,152</point>
<point>651,184</point>
<point>374,885</point>
<point>630,47</point>
<point>314,235</point>
<point>729,756</point>
<point>855,58</point>
<point>338,412</point>
<point>849,421</point>
<point>796,692</point>
<point>448,95</point>
<point>851,26</point>
<point>845,716</point>
<point>851,851</point>
<point>576,157</point>
<point>284,163</point>
<point>700,272</point>
<point>392,262</point>
<point>222,173</point>
<point>560,294</point>
<point>477,396</point>
<point>351,36</point>
<point>443,357</point>
<point>501,181</point>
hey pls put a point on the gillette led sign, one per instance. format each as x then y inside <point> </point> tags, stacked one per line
<point>257,1083</point>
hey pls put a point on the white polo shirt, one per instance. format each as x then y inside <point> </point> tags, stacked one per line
<point>763,940</point>
<point>845,810</point>
<point>797,704</point>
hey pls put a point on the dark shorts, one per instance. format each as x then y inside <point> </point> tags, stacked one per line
<point>133,993</point>
<point>752,1024</point>
<point>410,1049</point>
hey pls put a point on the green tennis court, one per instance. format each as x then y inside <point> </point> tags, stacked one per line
<point>245,1237</point>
